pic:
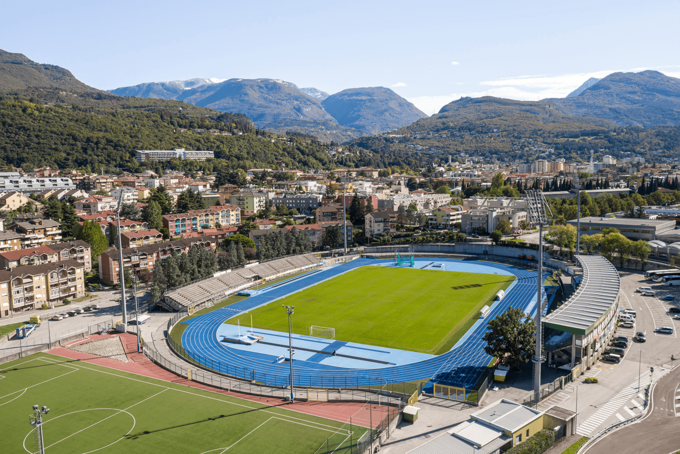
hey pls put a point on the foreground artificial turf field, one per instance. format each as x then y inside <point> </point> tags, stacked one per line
<point>410,309</point>
<point>95,408</point>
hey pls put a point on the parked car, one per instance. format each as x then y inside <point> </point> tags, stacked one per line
<point>623,345</point>
<point>79,310</point>
<point>668,298</point>
<point>616,350</point>
<point>64,314</point>
<point>664,330</point>
<point>676,317</point>
<point>620,339</point>
<point>57,317</point>
<point>640,336</point>
<point>674,310</point>
<point>643,289</point>
<point>94,307</point>
<point>612,358</point>
<point>630,312</point>
<point>648,293</point>
<point>627,324</point>
<point>72,313</point>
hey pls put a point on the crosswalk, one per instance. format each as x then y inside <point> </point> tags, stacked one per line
<point>565,394</point>
<point>626,404</point>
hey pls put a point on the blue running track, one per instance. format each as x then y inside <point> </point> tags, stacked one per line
<point>461,367</point>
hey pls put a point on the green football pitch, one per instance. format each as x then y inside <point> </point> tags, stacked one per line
<point>95,408</point>
<point>409,309</point>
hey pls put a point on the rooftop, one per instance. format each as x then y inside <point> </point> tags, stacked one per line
<point>594,298</point>
<point>599,220</point>
<point>506,415</point>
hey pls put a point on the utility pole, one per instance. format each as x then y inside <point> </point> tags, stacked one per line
<point>290,310</point>
<point>36,421</point>
<point>539,211</point>
<point>121,265</point>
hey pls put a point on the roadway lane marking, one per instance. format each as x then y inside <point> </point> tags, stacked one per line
<point>641,396</point>
<point>621,418</point>
<point>637,404</point>
<point>629,411</point>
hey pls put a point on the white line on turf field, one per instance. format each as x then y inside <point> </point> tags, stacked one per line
<point>134,423</point>
<point>245,436</point>
<point>37,384</point>
<point>108,417</point>
<point>213,398</point>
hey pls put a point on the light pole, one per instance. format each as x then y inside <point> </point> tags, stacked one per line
<point>344,216</point>
<point>121,265</point>
<point>576,415</point>
<point>36,421</point>
<point>49,334</point>
<point>134,281</point>
<point>290,310</point>
<point>639,369</point>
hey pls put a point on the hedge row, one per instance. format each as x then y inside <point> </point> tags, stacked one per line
<point>539,443</point>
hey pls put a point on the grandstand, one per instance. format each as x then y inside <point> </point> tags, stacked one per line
<point>233,281</point>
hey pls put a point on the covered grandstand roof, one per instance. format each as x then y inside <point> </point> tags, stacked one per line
<point>594,298</point>
<point>657,243</point>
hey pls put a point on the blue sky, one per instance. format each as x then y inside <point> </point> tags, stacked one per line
<point>430,52</point>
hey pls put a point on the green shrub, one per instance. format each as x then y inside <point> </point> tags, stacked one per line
<point>66,301</point>
<point>45,306</point>
<point>591,380</point>
<point>576,446</point>
<point>539,443</point>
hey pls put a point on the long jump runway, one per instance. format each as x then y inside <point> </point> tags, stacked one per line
<point>462,366</point>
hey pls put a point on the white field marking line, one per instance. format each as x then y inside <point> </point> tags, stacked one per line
<point>134,423</point>
<point>17,397</point>
<point>246,435</point>
<point>37,384</point>
<point>213,398</point>
<point>108,417</point>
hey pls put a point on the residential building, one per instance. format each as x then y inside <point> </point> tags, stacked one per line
<point>486,220</point>
<point>177,153</point>
<point>422,201</point>
<point>30,287</point>
<point>341,224</point>
<point>23,184</point>
<point>608,160</point>
<point>314,231</point>
<point>97,203</point>
<point>379,223</point>
<point>304,204</point>
<point>445,217</point>
<point>197,220</point>
<point>78,250</point>
<point>141,238</point>
<point>13,200</point>
<point>249,202</point>
<point>39,232</point>
<point>265,224</point>
<point>539,166</point>
<point>634,229</point>
<point>143,258</point>
<point>11,241</point>
<point>95,182</point>
<point>130,195</point>
<point>31,256</point>
<point>332,212</point>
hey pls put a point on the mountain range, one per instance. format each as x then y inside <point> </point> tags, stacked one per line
<point>280,106</point>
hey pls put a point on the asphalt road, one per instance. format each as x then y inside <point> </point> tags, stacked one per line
<point>657,432</point>
<point>109,310</point>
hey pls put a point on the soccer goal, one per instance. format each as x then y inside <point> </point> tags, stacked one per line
<point>322,331</point>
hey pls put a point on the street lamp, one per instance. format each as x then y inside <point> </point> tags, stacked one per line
<point>576,415</point>
<point>36,421</point>
<point>134,281</point>
<point>290,310</point>
<point>639,369</point>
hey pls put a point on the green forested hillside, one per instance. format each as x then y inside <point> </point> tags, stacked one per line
<point>76,137</point>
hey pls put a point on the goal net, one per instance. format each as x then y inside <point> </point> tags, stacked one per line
<point>322,331</point>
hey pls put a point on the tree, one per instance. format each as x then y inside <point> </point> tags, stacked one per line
<point>238,238</point>
<point>562,236</point>
<point>159,283</point>
<point>401,214</point>
<point>504,225</point>
<point>369,206</point>
<point>69,218</point>
<point>332,236</point>
<point>443,190</point>
<point>151,214</point>
<point>245,227</point>
<point>641,249</point>
<point>102,192</point>
<point>496,236</point>
<point>510,337</point>
<point>162,198</point>
<point>53,209</point>
<point>189,200</point>
<point>130,211</point>
<point>282,210</point>
<point>330,190</point>
<point>356,210</point>
<point>240,254</point>
<point>92,234</point>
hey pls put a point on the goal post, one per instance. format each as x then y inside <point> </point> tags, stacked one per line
<point>322,331</point>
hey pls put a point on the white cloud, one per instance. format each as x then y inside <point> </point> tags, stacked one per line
<point>455,63</point>
<point>399,84</point>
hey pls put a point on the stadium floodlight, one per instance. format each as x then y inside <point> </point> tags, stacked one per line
<point>290,310</point>
<point>577,186</point>
<point>36,421</point>
<point>121,264</point>
<point>539,212</point>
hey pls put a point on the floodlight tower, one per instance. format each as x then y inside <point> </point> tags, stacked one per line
<point>121,266</point>
<point>36,421</point>
<point>290,310</point>
<point>539,211</point>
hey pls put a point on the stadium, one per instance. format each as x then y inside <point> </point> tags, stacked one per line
<point>367,322</point>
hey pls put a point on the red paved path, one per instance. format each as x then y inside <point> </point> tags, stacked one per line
<point>139,364</point>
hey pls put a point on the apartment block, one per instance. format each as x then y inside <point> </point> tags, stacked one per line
<point>39,231</point>
<point>198,220</point>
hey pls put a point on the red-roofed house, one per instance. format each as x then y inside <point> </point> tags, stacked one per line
<point>96,203</point>
<point>265,224</point>
<point>31,256</point>
<point>314,231</point>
